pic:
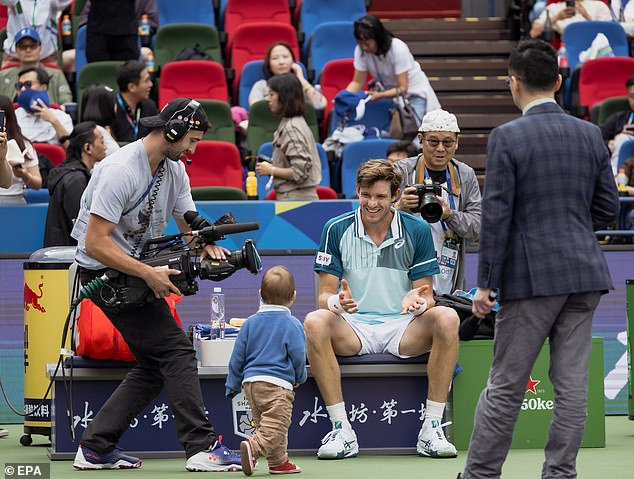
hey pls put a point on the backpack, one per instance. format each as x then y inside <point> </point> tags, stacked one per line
<point>470,326</point>
<point>192,53</point>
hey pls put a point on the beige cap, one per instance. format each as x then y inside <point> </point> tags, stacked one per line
<point>439,120</point>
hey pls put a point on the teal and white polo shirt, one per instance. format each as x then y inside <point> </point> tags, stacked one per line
<point>379,276</point>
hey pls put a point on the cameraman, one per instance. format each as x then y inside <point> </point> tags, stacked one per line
<point>129,199</point>
<point>460,221</point>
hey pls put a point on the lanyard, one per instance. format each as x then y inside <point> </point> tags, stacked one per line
<point>147,191</point>
<point>630,118</point>
<point>126,110</point>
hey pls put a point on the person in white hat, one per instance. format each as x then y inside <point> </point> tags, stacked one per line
<point>458,208</point>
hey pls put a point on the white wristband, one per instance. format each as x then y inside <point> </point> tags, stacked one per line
<point>420,310</point>
<point>334,304</point>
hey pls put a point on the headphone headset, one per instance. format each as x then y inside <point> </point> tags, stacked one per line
<point>177,128</point>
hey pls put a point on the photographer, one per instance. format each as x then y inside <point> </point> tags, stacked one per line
<point>460,219</point>
<point>129,199</point>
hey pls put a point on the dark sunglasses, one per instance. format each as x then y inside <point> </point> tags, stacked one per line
<point>24,84</point>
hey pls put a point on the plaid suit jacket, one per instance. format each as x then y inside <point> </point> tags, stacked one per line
<point>548,187</point>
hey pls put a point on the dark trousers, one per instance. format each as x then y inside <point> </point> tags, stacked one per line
<point>102,47</point>
<point>165,359</point>
<point>520,331</point>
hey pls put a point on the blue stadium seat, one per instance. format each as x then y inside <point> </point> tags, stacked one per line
<point>316,12</point>
<point>80,51</point>
<point>330,41</point>
<point>578,37</point>
<point>190,11</point>
<point>36,196</point>
<point>266,149</point>
<point>627,150</point>
<point>377,115</point>
<point>356,153</point>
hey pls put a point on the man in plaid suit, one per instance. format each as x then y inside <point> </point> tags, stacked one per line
<point>548,187</point>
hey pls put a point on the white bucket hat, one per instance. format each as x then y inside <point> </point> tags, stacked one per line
<point>439,120</point>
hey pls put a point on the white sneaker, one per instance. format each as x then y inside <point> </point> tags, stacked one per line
<point>338,444</point>
<point>433,443</point>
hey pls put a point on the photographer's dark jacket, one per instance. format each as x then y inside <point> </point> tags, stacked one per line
<point>465,221</point>
<point>66,184</point>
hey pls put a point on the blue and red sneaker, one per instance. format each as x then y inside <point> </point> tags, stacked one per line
<point>86,459</point>
<point>216,458</point>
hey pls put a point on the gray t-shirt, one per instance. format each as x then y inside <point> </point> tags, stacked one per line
<point>113,193</point>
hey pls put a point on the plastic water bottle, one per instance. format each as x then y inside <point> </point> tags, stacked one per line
<point>144,30</point>
<point>562,56</point>
<point>67,32</point>
<point>252,186</point>
<point>150,65</point>
<point>217,314</point>
<point>621,180</point>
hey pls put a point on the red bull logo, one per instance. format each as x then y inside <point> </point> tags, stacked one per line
<point>32,299</point>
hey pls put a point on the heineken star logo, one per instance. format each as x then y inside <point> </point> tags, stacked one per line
<point>531,384</point>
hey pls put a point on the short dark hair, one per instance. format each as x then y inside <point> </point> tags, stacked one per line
<point>404,146</point>
<point>629,82</point>
<point>266,66</point>
<point>42,77</point>
<point>372,28</point>
<point>534,63</point>
<point>379,170</point>
<point>83,133</point>
<point>129,72</point>
<point>290,93</point>
<point>98,105</point>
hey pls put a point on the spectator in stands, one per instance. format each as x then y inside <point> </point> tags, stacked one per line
<point>628,213</point>
<point>619,126</point>
<point>21,156</point>
<point>281,59</point>
<point>38,121</point>
<point>295,167</point>
<point>114,221</point>
<point>112,29</point>
<point>269,363</point>
<point>391,64</point>
<point>99,104</point>
<point>40,15</point>
<point>401,150</point>
<point>141,7</point>
<point>68,180</point>
<point>561,16</point>
<point>133,101</point>
<point>5,167</point>
<point>28,50</point>
<point>460,220</point>
<point>375,270</point>
<point>542,203</point>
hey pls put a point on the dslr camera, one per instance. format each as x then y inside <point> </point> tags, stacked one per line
<point>428,205</point>
<point>124,291</point>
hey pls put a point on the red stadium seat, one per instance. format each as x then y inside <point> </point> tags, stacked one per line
<point>323,192</point>
<point>251,42</point>
<point>200,79</point>
<point>215,163</point>
<point>603,78</point>
<point>335,77</point>
<point>55,153</point>
<point>4,16</point>
<point>241,12</point>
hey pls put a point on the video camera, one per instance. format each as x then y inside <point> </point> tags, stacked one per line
<point>428,206</point>
<point>124,291</point>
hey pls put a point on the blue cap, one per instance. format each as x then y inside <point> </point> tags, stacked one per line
<point>27,32</point>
